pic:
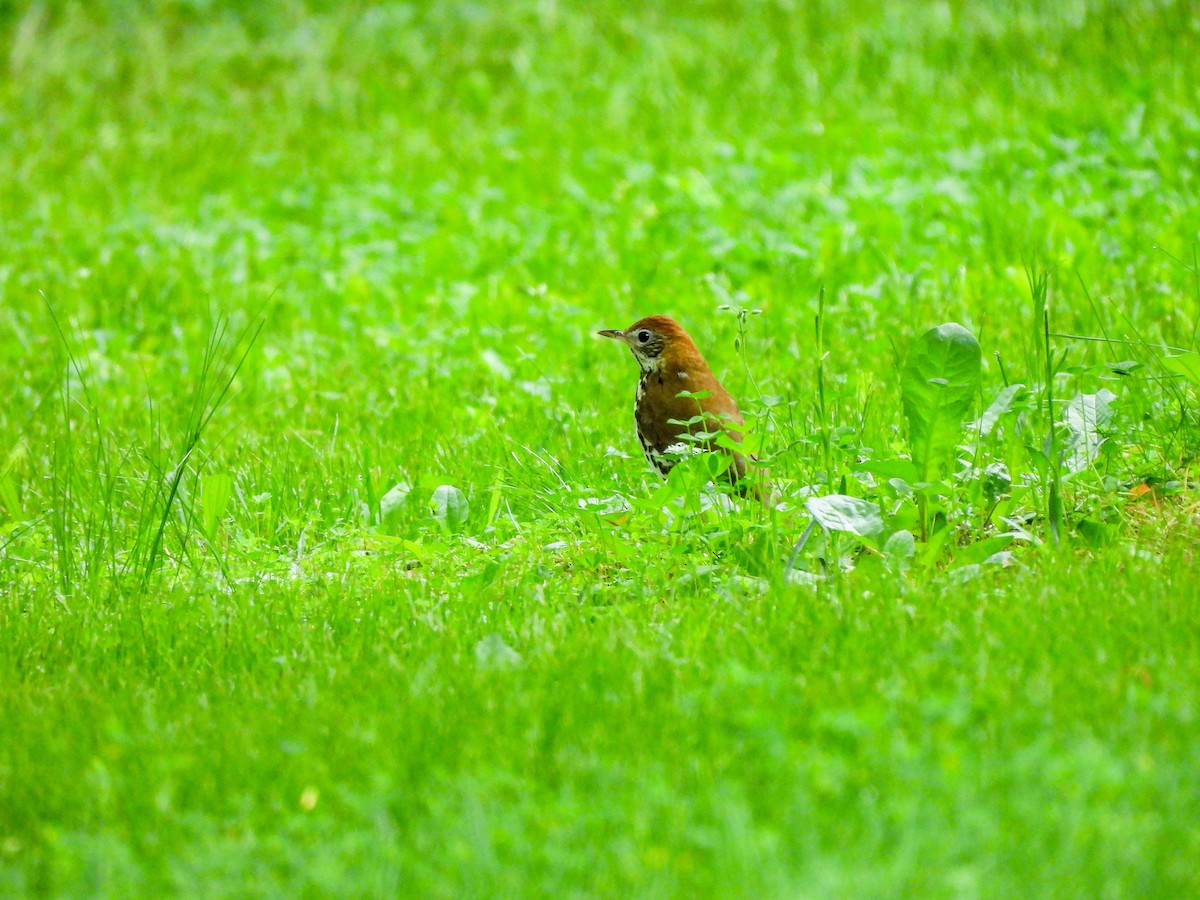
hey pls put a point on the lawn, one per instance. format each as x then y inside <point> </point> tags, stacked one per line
<point>329,560</point>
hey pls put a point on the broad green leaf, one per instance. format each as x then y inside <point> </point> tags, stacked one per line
<point>1086,416</point>
<point>1187,365</point>
<point>982,551</point>
<point>998,407</point>
<point>9,497</point>
<point>449,506</point>
<point>704,466</point>
<point>215,491</point>
<point>837,512</point>
<point>890,468</point>
<point>900,545</point>
<point>937,387</point>
<point>393,499</point>
<point>899,550</point>
<point>750,445</point>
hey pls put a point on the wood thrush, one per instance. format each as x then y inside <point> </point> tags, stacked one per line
<point>670,365</point>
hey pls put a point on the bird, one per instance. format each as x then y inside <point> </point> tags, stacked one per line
<point>671,365</point>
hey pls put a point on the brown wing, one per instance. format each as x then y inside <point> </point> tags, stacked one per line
<point>660,404</point>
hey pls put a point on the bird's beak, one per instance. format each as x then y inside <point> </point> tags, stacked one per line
<point>614,333</point>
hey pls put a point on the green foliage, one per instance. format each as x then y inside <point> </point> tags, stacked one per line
<point>938,388</point>
<point>389,604</point>
<point>847,514</point>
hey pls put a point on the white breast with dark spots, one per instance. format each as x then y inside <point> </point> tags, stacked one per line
<point>653,457</point>
<point>660,460</point>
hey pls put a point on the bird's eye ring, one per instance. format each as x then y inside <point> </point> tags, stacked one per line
<point>643,336</point>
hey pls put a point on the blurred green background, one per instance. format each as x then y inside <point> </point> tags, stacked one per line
<point>428,207</point>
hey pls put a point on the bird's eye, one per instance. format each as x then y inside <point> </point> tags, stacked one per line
<point>643,336</point>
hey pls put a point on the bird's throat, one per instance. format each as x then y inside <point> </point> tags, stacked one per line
<point>648,364</point>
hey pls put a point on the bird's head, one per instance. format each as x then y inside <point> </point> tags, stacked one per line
<point>654,339</point>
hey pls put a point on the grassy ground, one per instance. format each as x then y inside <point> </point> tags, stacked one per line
<point>382,599</point>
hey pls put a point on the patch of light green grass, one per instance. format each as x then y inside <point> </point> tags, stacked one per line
<point>565,684</point>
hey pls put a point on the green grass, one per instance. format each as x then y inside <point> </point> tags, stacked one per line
<point>230,665</point>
